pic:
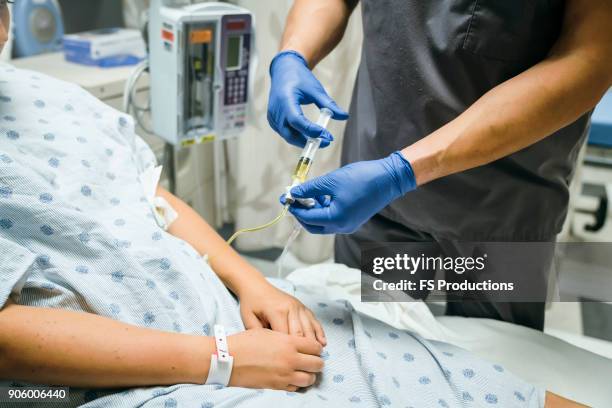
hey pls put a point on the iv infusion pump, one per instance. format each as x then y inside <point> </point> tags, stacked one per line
<point>199,61</point>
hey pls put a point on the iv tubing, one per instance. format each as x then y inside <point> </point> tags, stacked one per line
<point>281,259</point>
<point>260,227</point>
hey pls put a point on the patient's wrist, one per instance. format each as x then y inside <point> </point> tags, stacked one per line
<point>197,361</point>
<point>248,282</point>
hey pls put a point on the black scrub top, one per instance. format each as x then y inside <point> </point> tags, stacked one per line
<point>423,63</point>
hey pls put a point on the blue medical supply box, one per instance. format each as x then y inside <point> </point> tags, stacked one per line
<point>105,48</point>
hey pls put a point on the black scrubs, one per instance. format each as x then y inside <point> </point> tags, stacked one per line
<point>423,63</point>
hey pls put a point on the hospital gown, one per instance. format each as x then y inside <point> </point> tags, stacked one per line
<point>77,233</point>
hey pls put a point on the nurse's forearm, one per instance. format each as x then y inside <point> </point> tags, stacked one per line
<point>530,106</point>
<point>315,27</point>
<point>236,273</point>
<point>61,347</point>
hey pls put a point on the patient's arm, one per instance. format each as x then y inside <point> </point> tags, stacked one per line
<point>261,304</point>
<point>555,401</point>
<point>237,274</point>
<point>61,347</point>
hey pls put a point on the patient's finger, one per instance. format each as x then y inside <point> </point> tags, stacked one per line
<point>307,345</point>
<point>251,321</point>
<point>318,328</point>
<point>309,363</point>
<point>306,324</point>
<point>295,325</point>
<point>302,379</point>
<point>278,322</point>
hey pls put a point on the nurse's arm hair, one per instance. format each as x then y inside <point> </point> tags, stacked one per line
<point>62,347</point>
<point>315,27</point>
<point>532,105</point>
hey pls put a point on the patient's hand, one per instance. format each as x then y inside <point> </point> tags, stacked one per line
<point>267,359</point>
<point>261,304</point>
<point>266,306</point>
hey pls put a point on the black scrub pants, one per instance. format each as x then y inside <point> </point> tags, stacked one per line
<point>380,229</point>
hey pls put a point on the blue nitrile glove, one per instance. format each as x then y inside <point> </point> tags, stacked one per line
<point>293,84</point>
<point>355,193</point>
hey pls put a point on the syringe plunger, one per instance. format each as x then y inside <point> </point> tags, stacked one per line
<point>325,115</point>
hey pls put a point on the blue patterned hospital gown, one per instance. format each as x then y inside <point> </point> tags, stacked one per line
<point>76,233</point>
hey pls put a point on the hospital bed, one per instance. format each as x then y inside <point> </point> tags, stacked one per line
<point>539,358</point>
<point>536,357</point>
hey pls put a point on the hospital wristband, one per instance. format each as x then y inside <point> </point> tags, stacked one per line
<point>221,362</point>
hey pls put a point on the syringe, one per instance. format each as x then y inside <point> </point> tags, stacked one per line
<point>299,176</point>
<point>305,162</point>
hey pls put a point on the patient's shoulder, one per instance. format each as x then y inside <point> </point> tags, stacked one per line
<point>35,80</point>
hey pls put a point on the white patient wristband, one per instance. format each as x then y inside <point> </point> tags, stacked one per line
<point>221,362</point>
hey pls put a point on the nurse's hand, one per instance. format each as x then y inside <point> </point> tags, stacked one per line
<point>266,306</point>
<point>348,197</point>
<point>293,85</point>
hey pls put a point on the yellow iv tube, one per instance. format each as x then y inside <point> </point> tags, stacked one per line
<point>300,173</point>
<point>260,227</point>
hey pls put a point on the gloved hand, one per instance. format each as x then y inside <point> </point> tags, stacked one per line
<point>351,195</point>
<point>293,84</point>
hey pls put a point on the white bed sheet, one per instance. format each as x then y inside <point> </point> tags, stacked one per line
<point>539,358</point>
<point>542,359</point>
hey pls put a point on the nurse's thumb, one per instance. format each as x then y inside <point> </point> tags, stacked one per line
<point>323,100</point>
<point>311,188</point>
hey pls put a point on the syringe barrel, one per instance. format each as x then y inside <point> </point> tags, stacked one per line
<point>310,148</point>
<point>325,115</point>
<point>308,154</point>
<point>313,143</point>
